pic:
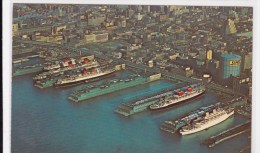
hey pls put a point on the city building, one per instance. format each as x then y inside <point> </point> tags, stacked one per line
<point>231,27</point>
<point>246,61</point>
<point>230,65</point>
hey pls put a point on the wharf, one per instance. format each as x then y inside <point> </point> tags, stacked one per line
<point>225,135</point>
<point>27,70</point>
<point>137,105</point>
<point>84,94</point>
<point>24,59</point>
<point>174,125</point>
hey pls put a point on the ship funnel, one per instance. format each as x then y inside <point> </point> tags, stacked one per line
<point>86,61</point>
<point>66,60</point>
<point>180,93</point>
<point>84,71</point>
<point>189,89</point>
<point>70,64</point>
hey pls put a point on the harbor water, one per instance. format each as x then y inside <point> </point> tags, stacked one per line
<point>45,121</point>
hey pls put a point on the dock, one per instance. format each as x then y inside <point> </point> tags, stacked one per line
<point>225,135</point>
<point>24,59</point>
<point>118,84</point>
<point>27,70</point>
<point>137,105</point>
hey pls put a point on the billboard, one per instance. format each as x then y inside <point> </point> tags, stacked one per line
<point>234,63</point>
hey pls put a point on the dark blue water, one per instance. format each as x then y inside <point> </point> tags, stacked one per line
<point>44,121</point>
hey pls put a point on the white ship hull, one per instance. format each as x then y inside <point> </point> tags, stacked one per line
<point>175,101</point>
<point>83,78</point>
<point>52,67</point>
<point>208,125</point>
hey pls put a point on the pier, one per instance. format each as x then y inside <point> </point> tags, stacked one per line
<point>137,105</point>
<point>84,94</point>
<point>225,135</point>
<point>27,70</point>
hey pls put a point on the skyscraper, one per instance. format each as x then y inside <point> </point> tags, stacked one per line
<point>230,65</point>
<point>231,27</point>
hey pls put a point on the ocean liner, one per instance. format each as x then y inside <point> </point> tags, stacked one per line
<point>180,95</point>
<point>210,119</point>
<point>84,76</point>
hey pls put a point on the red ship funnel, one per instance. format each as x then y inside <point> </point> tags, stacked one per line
<point>86,61</point>
<point>70,65</point>
<point>180,93</point>
<point>189,89</point>
<point>84,71</point>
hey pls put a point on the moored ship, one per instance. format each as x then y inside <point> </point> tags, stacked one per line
<point>180,95</point>
<point>210,119</point>
<point>84,76</point>
<point>66,65</point>
<point>70,63</point>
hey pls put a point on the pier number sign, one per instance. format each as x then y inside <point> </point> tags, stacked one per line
<point>234,63</point>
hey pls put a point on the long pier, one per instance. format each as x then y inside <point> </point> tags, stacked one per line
<point>225,135</point>
<point>137,105</point>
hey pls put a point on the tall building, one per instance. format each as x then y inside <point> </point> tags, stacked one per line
<point>209,54</point>
<point>230,65</point>
<point>15,28</point>
<point>246,61</point>
<point>231,27</point>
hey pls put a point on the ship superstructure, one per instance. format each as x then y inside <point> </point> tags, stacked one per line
<point>66,65</point>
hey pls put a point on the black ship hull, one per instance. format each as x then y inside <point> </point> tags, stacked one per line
<point>84,81</point>
<point>181,102</point>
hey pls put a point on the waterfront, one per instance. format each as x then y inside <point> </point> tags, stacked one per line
<point>46,121</point>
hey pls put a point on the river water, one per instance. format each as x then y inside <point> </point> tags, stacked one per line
<point>45,121</point>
